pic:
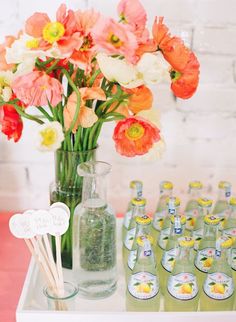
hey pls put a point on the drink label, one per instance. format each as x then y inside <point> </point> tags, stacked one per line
<point>163,238</point>
<point>204,259</point>
<point>218,286</point>
<point>158,220</point>
<point>197,235</point>
<point>233,259</point>
<point>132,258</point>
<point>127,219</point>
<point>129,239</point>
<point>190,218</point>
<point>168,259</point>
<point>183,286</point>
<point>143,285</point>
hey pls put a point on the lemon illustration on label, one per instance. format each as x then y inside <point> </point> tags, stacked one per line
<point>218,288</point>
<point>207,262</point>
<point>143,288</point>
<point>185,289</point>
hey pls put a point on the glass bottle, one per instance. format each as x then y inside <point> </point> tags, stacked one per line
<point>94,232</point>
<point>172,248</point>
<point>204,208</point>
<point>182,287</point>
<point>173,204</point>
<point>143,286</point>
<point>142,229</point>
<point>166,189</point>
<point>218,288</point>
<point>222,203</point>
<point>138,210</point>
<point>136,188</point>
<point>206,249</point>
<point>191,208</point>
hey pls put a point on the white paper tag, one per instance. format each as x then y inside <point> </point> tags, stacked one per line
<point>41,221</point>
<point>60,221</point>
<point>61,205</point>
<point>20,226</point>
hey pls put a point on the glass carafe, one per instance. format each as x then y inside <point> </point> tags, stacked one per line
<point>94,233</point>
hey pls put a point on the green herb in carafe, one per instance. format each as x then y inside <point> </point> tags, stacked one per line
<point>143,292</point>
<point>221,206</point>
<point>136,188</point>
<point>191,208</point>
<point>182,287</point>
<point>166,189</point>
<point>204,208</point>
<point>218,289</point>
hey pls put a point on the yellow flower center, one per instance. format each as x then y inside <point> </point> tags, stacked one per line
<point>49,137</point>
<point>32,43</point>
<point>135,132</point>
<point>53,31</point>
<point>114,40</point>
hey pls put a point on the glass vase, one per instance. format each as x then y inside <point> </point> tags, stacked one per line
<point>67,188</point>
<point>94,252</point>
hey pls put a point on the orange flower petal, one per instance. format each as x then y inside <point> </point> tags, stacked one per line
<point>140,99</point>
<point>89,93</point>
<point>87,117</point>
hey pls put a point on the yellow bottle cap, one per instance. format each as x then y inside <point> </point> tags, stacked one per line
<point>204,202</point>
<point>195,184</point>
<point>224,242</point>
<point>232,201</point>
<point>212,219</point>
<point>138,202</point>
<point>167,185</point>
<point>140,240</point>
<point>224,184</point>
<point>186,241</point>
<point>134,183</point>
<point>182,219</point>
<point>143,220</point>
<point>175,200</point>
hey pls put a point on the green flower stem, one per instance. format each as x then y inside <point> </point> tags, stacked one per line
<point>45,113</point>
<point>93,78</point>
<point>24,114</point>
<point>77,144</point>
<point>48,70</point>
<point>43,63</point>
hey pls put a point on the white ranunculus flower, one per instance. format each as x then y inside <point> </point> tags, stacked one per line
<point>6,93</point>
<point>50,136</point>
<point>153,68</point>
<point>6,78</point>
<point>115,69</point>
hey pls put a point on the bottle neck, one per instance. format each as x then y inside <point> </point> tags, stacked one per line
<point>194,193</point>
<point>138,210</point>
<point>204,210</point>
<point>94,192</point>
<point>232,213</point>
<point>166,192</point>
<point>145,253</point>
<point>224,194</point>
<point>176,227</point>
<point>210,231</point>
<point>142,230</point>
<point>185,253</point>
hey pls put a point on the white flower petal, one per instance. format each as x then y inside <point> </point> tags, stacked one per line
<point>50,136</point>
<point>6,93</point>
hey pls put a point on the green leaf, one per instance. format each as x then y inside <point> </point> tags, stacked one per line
<point>177,285</point>
<point>203,259</point>
<point>171,259</point>
<point>136,284</point>
<point>212,283</point>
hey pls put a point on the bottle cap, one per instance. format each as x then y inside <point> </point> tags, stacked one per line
<point>138,202</point>
<point>186,241</point>
<point>224,185</point>
<point>140,240</point>
<point>204,202</point>
<point>182,219</point>
<point>134,183</point>
<point>143,220</point>
<point>167,185</point>
<point>224,242</point>
<point>212,220</point>
<point>173,201</point>
<point>232,201</point>
<point>195,184</point>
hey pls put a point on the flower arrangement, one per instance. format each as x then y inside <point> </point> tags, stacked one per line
<point>84,69</point>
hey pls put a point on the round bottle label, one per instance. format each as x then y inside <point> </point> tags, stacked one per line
<point>163,238</point>
<point>218,286</point>
<point>190,218</point>
<point>132,258</point>
<point>183,286</point>
<point>158,220</point>
<point>204,259</point>
<point>233,259</point>
<point>127,219</point>
<point>143,285</point>
<point>129,239</point>
<point>230,232</point>
<point>168,259</point>
<point>197,235</point>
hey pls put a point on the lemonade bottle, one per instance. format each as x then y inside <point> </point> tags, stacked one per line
<point>173,204</point>
<point>218,288</point>
<point>166,188</point>
<point>206,249</point>
<point>136,188</point>
<point>182,288</point>
<point>204,207</point>
<point>142,228</point>
<point>191,208</point>
<point>137,210</point>
<point>172,248</point>
<point>143,292</point>
<point>222,204</point>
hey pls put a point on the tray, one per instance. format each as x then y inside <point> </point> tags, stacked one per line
<point>32,305</point>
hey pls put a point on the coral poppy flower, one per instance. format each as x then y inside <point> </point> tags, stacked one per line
<point>135,136</point>
<point>140,98</point>
<point>114,38</point>
<point>11,123</point>
<point>87,116</point>
<point>4,66</point>
<point>37,88</point>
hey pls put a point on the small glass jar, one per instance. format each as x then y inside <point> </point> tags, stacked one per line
<point>65,302</point>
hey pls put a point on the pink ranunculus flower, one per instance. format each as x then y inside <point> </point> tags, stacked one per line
<point>37,89</point>
<point>114,38</point>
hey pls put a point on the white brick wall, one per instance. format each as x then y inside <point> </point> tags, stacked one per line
<point>200,133</point>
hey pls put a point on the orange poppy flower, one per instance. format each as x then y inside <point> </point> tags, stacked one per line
<point>140,99</point>
<point>135,136</point>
